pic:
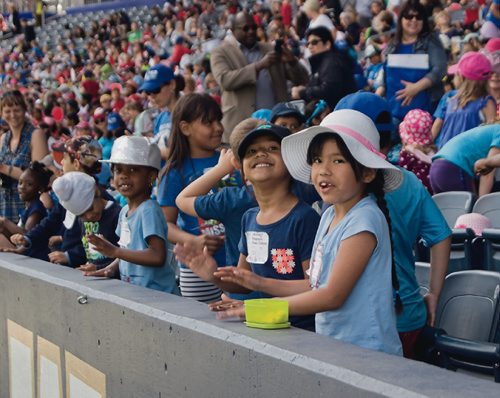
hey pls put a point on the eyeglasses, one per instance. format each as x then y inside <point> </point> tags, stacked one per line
<point>246,28</point>
<point>313,42</point>
<point>409,16</point>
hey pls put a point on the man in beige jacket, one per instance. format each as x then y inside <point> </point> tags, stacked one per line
<point>252,75</point>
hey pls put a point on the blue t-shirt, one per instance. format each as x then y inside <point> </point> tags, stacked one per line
<point>458,119</point>
<point>367,318</point>
<point>373,73</point>
<point>443,103</point>
<point>36,206</point>
<point>277,250</point>
<point>175,181</point>
<point>161,129</point>
<point>465,149</point>
<point>133,230</point>
<point>107,146</point>
<point>229,204</point>
<point>413,214</point>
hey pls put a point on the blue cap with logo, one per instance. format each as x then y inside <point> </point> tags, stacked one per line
<point>115,121</point>
<point>156,77</point>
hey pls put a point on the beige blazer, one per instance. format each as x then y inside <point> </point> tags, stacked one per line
<point>237,80</point>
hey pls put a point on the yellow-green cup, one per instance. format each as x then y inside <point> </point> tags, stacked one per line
<point>266,311</point>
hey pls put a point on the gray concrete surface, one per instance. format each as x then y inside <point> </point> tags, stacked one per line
<point>151,344</point>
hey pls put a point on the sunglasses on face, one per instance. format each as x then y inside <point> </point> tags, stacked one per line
<point>247,28</point>
<point>409,16</point>
<point>313,42</point>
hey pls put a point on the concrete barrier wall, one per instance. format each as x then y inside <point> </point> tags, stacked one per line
<point>142,343</point>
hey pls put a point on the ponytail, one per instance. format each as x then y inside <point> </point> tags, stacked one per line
<point>376,188</point>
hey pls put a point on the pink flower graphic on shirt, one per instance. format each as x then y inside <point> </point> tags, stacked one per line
<point>283,260</point>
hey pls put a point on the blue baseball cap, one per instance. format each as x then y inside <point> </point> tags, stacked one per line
<point>285,109</point>
<point>262,114</point>
<point>371,105</point>
<point>266,129</point>
<point>156,77</point>
<point>115,121</point>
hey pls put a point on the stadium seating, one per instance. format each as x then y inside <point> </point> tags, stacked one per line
<point>489,206</point>
<point>452,205</point>
<point>468,314</point>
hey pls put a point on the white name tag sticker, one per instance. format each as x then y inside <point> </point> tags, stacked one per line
<point>258,247</point>
<point>124,234</point>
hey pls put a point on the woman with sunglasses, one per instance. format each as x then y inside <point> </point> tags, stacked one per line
<point>332,71</point>
<point>414,80</point>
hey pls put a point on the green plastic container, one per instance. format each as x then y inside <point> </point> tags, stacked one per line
<point>266,311</point>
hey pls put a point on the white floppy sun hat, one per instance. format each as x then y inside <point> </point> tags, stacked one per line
<point>358,133</point>
<point>135,150</point>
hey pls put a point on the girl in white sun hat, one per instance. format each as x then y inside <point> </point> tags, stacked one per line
<point>350,273</point>
<point>142,252</point>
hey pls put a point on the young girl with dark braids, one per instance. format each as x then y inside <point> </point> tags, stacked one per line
<point>350,288</point>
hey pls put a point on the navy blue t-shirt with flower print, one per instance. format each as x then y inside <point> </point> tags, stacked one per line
<point>277,250</point>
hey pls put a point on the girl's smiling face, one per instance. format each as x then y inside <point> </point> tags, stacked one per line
<point>28,186</point>
<point>263,161</point>
<point>334,177</point>
<point>203,136</point>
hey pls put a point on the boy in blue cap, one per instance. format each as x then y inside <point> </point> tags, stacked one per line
<point>286,115</point>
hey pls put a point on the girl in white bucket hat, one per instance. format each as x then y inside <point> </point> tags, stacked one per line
<point>350,272</point>
<point>141,255</point>
<point>351,269</point>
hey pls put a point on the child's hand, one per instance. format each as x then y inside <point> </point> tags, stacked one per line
<point>87,267</point>
<point>106,272</point>
<point>19,240</point>
<point>200,262</point>
<point>228,308</point>
<point>55,240</point>
<point>58,257</point>
<point>481,167</point>
<point>211,242</point>
<point>102,245</point>
<point>17,249</point>
<point>239,276</point>
<point>226,161</point>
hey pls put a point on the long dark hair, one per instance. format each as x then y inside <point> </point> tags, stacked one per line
<point>376,188</point>
<point>189,108</point>
<point>417,7</point>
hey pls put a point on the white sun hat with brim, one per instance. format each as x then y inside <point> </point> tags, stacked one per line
<point>133,150</point>
<point>358,133</point>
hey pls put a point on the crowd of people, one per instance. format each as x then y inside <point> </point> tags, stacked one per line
<point>286,149</point>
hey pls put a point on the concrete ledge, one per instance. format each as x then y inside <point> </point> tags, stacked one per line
<point>151,344</point>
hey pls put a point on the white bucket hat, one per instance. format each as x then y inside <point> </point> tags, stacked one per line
<point>134,150</point>
<point>358,133</point>
<point>75,191</point>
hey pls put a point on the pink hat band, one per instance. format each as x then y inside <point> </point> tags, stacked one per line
<point>358,137</point>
